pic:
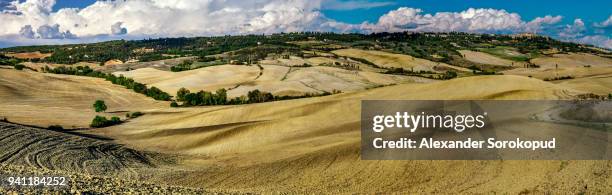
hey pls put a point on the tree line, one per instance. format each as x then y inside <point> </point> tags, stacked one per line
<point>9,61</point>
<point>205,98</point>
<point>129,83</point>
<point>183,66</point>
<point>440,47</point>
<point>184,96</point>
<point>422,73</point>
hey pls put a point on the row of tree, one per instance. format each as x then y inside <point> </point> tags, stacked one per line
<point>183,66</point>
<point>245,48</point>
<point>129,83</point>
<point>201,98</point>
<point>8,61</point>
<point>205,98</point>
<point>422,73</point>
<point>559,78</point>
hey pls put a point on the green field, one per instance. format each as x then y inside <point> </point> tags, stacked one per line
<point>508,53</point>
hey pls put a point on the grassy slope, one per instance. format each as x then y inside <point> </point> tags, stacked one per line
<point>390,60</point>
<point>312,145</point>
<point>507,53</point>
<point>575,65</point>
<point>47,99</point>
<point>279,80</point>
<point>209,78</point>
<point>485,58</point>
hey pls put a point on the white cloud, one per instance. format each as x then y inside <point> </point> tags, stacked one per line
<point>116,29</point>
<point>53,32</point>
<point>216,17</point>
<point>27,32</point>
<point>605,24</point>
<point>574,30</point>
<point>169,18</point>
<point>538,23</point>
<point>597,40</point>
<point>471,20</point>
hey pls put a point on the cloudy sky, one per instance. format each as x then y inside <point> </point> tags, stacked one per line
<point>28,22</point>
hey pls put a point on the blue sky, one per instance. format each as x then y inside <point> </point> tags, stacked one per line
<point>72,4</point>
<point>29,22</point>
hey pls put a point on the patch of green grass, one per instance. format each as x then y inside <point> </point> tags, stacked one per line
<point>508,53</point>
<point>197,65</point>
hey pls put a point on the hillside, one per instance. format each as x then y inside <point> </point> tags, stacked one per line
<point>440,47</point>
<point>281,113</point>
<point>47,99</point>
<point>275,140</point>
<point>90,165</point>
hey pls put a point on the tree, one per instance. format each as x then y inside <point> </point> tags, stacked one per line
<point>19,66</point>
<point>254,96</point>
<point>115,120</point>
<point>191,99</point>
<point>610,96</point>
<point>158,94</point>
<point>99,121</point>
<point>56,128</point>
<point>221,96</point>
<point>449,75</point>
<point>257,96</point>
<point>180,94</point>
<point>136,114</point>
<point>140,88</point>
<point>206,97</point>
<point>99,106</point>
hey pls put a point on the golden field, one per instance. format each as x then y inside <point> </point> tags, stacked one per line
<point>309,145</point>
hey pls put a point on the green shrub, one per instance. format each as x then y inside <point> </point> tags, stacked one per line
<point>100,121</point>
<point>99,106</point>
<point>158,94</point>
<point>136,115</point>
<point>19,66</point>
<point>174,104</point>
<point>559,78</point>
<point>185,65</point>
<point>56,128</point>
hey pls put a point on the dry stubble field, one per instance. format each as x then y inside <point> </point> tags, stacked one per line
<point>298,146</point>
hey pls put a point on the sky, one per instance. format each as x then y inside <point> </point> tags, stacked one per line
<point>33,22</point>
